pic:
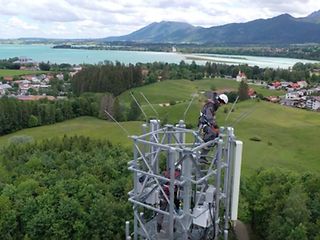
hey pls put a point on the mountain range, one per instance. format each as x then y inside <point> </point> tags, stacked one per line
<point>283,29</point>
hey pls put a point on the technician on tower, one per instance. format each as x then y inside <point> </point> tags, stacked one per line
<point>207,124</point>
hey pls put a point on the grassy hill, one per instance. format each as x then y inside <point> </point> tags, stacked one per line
<point>86,126</point>
<point>179,90</point>
<point>289,137</point>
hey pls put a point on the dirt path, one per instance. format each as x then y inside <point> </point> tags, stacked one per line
<point>241,231</point>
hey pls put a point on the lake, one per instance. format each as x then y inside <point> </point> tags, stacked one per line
<point>46,53</point>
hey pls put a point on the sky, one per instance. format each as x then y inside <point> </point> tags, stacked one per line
<point>103,18</point>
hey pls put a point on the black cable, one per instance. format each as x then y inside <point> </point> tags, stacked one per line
<point>212,219</point>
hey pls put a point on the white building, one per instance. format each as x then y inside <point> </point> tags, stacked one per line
<point>59,76</point>
<point>241,76</point>
<point>302,84</point>
<point>4,88</point>
<point>294,95</point>
<point>313,103</point>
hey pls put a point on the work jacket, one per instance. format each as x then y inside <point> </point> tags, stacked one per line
<point>207,114</point>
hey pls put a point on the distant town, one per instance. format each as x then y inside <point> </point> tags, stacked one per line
<point>53,85</point>
<point>298,94</point>
<point>37,84</point>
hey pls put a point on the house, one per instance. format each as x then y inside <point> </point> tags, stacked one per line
<point>273,99</point>
<point>288,102</point>
<point>24,61</point>
<point>28,77</point>
<point>275,85</point>
<point>241,77</point>
<point>24,87</point>
<point>293,87</point>
<point>77,69</point>
<point>36,80</point>
<point>284,85</point>
<point>271,87</point>
<point>4,88</point>
<point>59,76</point>
<point>295,95</point>
<point>8,78</point>
<point>302,84</point>
<point>313,103</point>
<point>301,103</point>
<point>71,74</point>
<point>315,72</point>
<point>144,72</point>
<point>252,93</point>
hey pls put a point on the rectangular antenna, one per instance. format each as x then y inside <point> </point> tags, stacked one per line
<point>236,180</point>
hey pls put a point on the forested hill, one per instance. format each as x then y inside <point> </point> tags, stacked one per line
<point>283,29</point>
<point>70,188</point>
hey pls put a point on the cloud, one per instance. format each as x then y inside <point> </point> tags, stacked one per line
<point>101,18</point>
<point>15,22</point>
<point>42,10</point>
<point>297,8</point>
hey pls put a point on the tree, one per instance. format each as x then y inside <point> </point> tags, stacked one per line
<point>106,104</point>
<point>43,196</point>
<point>44,66</point>
<point>134,111</point>
<point>33,121</point>
<point>243,91</point>
<point>118,110</point>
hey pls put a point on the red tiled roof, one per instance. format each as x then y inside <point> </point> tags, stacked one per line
<point>7,78</point>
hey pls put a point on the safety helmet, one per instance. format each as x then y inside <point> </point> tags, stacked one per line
<point>223,98</point>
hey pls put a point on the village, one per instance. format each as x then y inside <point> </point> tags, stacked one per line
<point>49,85</point>
<point>298,94</point>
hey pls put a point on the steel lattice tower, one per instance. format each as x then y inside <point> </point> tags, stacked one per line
<point>177,194</point>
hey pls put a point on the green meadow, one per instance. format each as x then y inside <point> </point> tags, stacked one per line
<point>182,90</point>
<point>9,73</point>
<point>288,137</point>
<point>86,126</point>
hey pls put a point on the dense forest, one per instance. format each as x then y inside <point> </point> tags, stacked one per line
<point>109,77</point>
<point>76,188</point>
<point>9,63</point>
<point>16,115</point>
<point>69,188</point>
<point>282,205</point>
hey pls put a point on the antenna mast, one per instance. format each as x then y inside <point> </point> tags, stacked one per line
<point>176,196</point>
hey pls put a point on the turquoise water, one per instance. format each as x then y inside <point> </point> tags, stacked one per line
<point>74,56</point>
